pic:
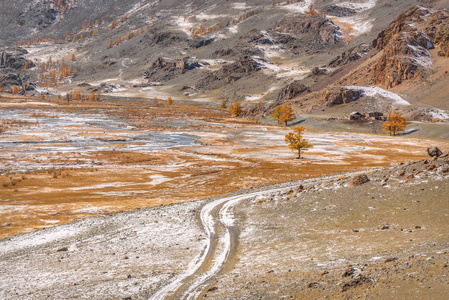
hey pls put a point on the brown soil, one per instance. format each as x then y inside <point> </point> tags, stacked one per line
<point>234,156</point>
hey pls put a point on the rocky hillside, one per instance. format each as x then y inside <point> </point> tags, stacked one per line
<point>316,54</point>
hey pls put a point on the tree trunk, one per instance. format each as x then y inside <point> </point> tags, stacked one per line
<point>299,153</point>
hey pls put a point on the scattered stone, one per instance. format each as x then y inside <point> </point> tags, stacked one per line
<point>214,288</point>
<point>385,227</point>
<point>63,249</point>
<point>300,189</point>
<point>312,284</point>
<point>431,167</point>
<point>409,176</point>
<point>417,227</point>
<point>359,180</point>
<point>445,170</point>
<point>350,270</point>
<point>390,259</point>
<point>360,279</point>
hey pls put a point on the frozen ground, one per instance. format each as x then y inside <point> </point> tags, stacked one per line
<point>111,256</point>
<point>292,238</point>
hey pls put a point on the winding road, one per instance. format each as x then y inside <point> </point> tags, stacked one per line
<point>222,236</point>
<point>218,221</point>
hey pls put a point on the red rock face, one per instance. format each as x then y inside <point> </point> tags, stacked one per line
<point>405,43</point>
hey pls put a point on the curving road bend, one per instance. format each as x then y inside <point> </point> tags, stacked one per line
<point>218,221</point>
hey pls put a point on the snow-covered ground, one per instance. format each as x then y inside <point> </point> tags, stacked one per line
<point>183,24</point>
<point>358,5</point>
<point>292,70</point>
<point>111,256</point>
<point>300,7</point>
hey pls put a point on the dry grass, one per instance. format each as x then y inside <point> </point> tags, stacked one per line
<point>112,181</point>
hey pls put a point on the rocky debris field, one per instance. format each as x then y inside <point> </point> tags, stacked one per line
<point>379,234</point>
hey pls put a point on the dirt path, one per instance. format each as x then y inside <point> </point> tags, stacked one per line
<point>222,238</point>
<point>218,221</point>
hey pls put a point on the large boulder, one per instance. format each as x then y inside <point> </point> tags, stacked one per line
<point>359,180</point>
<point>434,152</point>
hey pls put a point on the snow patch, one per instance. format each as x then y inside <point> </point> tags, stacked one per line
<point>184,24</point>
<point>300,7</point>
<point>373,91</point>
<point>359,5</point>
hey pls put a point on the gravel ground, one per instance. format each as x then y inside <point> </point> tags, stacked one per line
<point>382,236</point>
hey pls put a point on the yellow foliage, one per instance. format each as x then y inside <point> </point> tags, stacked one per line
<point>395,122</point>
<point>296,141</point>
<point>236,109</point>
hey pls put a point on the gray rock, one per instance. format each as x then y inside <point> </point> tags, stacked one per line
<point>434,152</point>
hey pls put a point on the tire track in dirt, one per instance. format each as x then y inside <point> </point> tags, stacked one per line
<point>218,222</point>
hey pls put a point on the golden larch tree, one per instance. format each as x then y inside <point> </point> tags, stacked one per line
<point>394,123</point>
<point>169,101</point>
<point>296,141</point>
<point>236,109</point>
<point>287,114</point>
<point>276,115</point>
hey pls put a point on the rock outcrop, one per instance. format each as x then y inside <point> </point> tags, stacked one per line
<point>339,11</point>
<point>164,70</point>
<point>405,44</point>
<point>293,90</point>
<point>316,26</point>
<point>341,95</point>
<point>229,73</point>
<point>350,55</point>
<point>14,60</point>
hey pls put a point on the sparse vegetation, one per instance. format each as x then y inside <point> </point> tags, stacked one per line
<point>394,123</point>
<point>296,141</point>
<point>236,109</point>
<point>283,114</point>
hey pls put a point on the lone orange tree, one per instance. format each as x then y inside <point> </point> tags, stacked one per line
<point>296,141</point>
<point>395,122</point>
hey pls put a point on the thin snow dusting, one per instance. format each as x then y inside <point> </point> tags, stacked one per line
<point>300,7</point>
<point>439,114</point>
<point>234,29</point>
<point>359,24</point>
<point>184,24</point>
<point>113,256</point>
<point>373,91</point>
<point>358,6</point>
<point>282,70</point>
<point>240,5</point>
